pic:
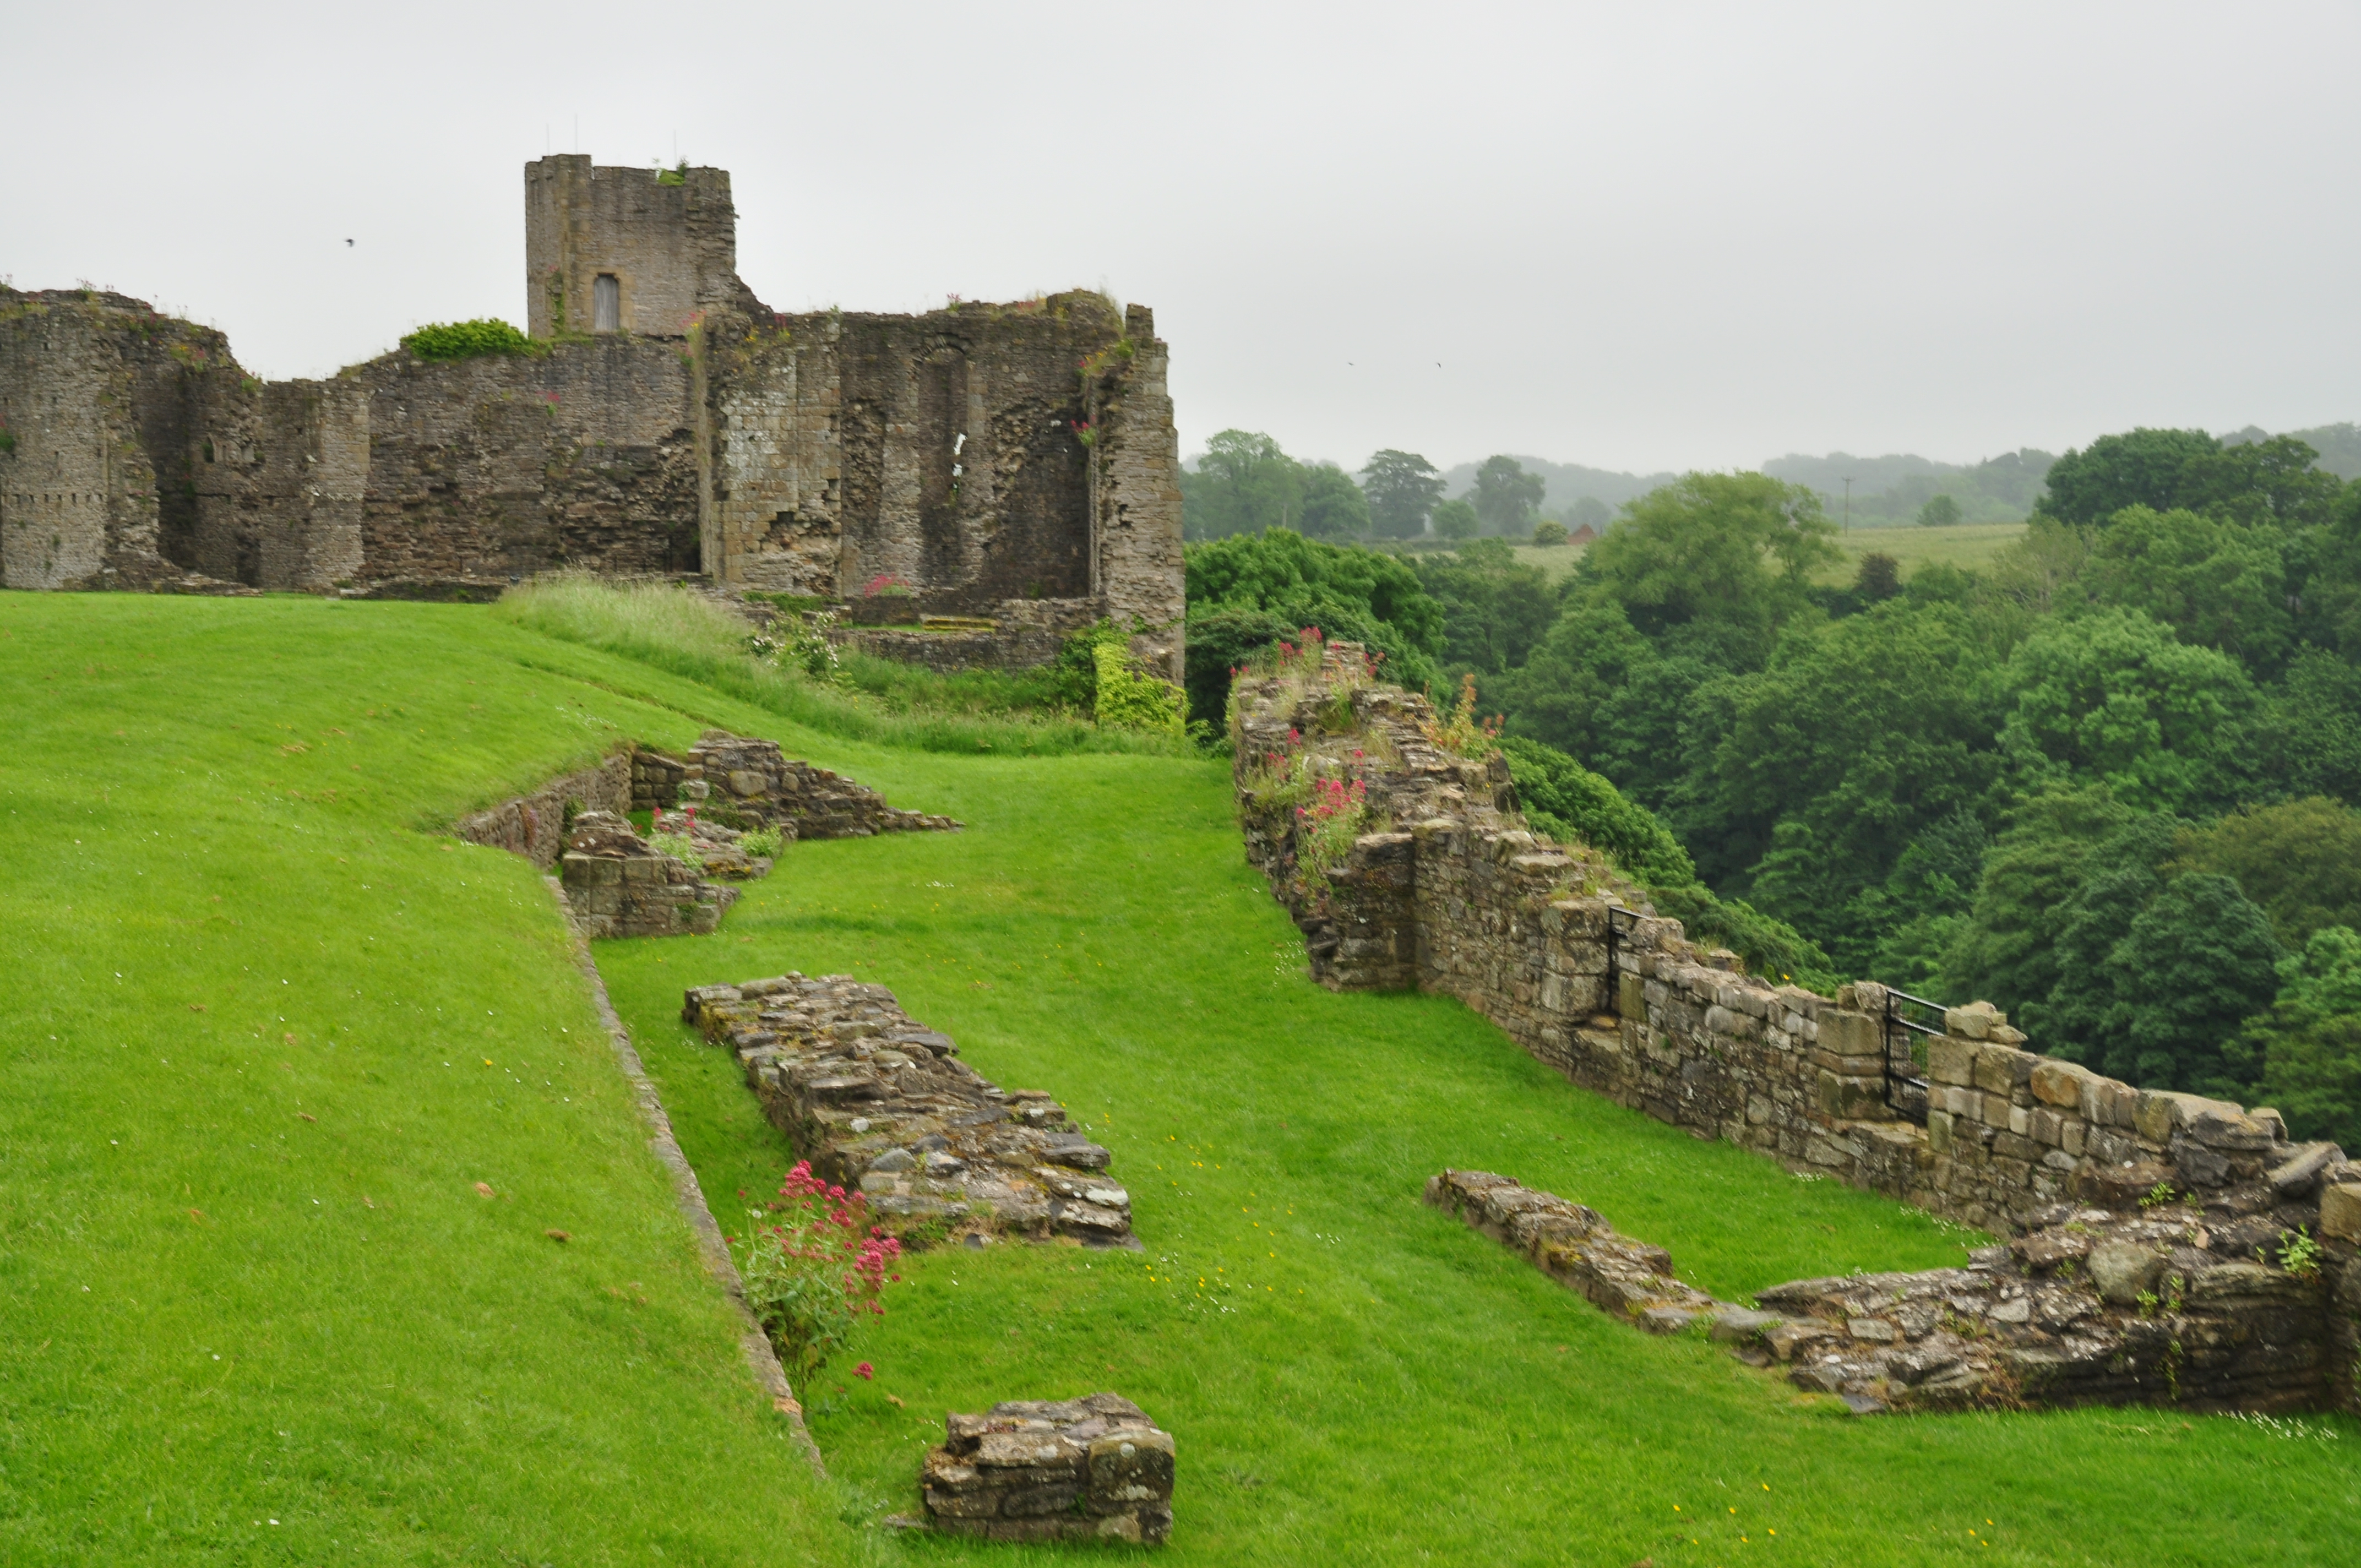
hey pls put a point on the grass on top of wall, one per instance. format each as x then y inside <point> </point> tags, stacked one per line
<point>688,635</point>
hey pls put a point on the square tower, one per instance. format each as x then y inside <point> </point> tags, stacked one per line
<point>636,251</point>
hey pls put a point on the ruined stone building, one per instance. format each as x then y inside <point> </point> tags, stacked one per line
<point>1015,460</point>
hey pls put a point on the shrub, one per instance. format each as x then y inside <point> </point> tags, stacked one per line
<point>1129,697</point>
<point>809,1273</point>
<point>680,846</point>
<point>1457,730</point>
<point>1338,812</point>
<point>1771,949</point>
<point>763,841</point>
<point>1223,640</point>
<point>799,642</point>
<point>464,340</point>
<point>1567,800</point>
<point>1548,534</point>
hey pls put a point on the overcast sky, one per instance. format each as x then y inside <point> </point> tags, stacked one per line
<point>1634,237</point>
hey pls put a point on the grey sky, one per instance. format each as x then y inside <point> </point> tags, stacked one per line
<point>1634,237</point>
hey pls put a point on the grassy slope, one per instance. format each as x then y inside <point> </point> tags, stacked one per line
<point>1389,1388</point>
<point>215,1313</point>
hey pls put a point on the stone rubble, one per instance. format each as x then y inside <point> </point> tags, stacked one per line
<point>1094,1468</point>
<point>878,1102</point>
<point>618,884</point>
<point>743,781</point>
<point>2178,1305</point>
<point>1571,1243</point>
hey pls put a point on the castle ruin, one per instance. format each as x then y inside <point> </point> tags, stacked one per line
<point>1016,461</point>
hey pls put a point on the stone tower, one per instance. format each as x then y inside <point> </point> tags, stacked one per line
<point>639,251</point>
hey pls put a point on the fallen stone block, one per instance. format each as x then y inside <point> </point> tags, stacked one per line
<point>1094,1468</point>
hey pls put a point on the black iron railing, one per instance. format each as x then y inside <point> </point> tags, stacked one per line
<point>1907,1017</point>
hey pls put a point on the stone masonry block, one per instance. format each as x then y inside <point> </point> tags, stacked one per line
<point>2056,1082</point>
<point>1851,1033</point>
<point>2340,1211</point>
<point>1853,1099</point>
<point>1950,1060</point>
<point>2003,1070</point>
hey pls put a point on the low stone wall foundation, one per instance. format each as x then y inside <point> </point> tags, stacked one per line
<point>880,1104</point>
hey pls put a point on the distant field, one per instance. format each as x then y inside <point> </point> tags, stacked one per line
<point>1968,545</point>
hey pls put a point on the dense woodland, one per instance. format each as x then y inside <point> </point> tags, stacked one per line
<point>2102,782</point>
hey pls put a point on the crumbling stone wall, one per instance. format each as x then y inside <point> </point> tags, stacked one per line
<point>2211,1307</point>
<point>1088,1469</point>
<point>751,781</point>
<point>988,456</point>
<point>534,825</point>
<point>996,458</point>
<point>618,884</point>
<point>138,456</point>
<point>669,240</point>
<point>878,1102</point>
<point>503,465</point>
<point>1453,894</point>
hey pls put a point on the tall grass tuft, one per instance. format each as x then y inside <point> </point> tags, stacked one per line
<point>686,634</point>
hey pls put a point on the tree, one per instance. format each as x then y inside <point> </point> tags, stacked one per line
<point>1494,609</point>
<point>2301,861</point>
<point>2261,483</point>
<point>1402,488</point>
<point>1457,519</point>
<point>1548,534</point>
<point>2318,713</point>
<point>2308,1046</point>
<point>2216,584</point>
<point>1859,736</point>
<point>2110,697</point>
<point>2141,469</point>
<point>1333,507</point>
<point>1590,512</point>
<point>1506,495</point>
<point>1242,484</point>
<point>2196,963</point>
<point>1734,549</point>
<point>1346,591</point>
<point>1222,639</point>
<point>2008,950</point>
<point>1879,577</point>
<point>1941,511</point>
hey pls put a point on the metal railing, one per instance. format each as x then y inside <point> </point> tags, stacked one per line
<point>1906,1018</point>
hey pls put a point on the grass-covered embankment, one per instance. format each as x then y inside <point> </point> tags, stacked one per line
<point>264,1036</point>
<point>433,1379</point>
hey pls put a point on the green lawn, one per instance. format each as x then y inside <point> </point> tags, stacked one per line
<point>413,1372</point>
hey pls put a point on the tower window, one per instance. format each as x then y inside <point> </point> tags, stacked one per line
<point>606,304</point>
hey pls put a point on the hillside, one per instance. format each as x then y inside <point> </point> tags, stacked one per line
<point>414,1373</point>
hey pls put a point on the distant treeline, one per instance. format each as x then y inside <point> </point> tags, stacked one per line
<point>1243,482</point>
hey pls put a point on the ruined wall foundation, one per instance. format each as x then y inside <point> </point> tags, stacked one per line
<point>1451,894</point>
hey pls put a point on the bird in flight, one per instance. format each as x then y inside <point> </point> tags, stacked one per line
<point>349,242</point>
